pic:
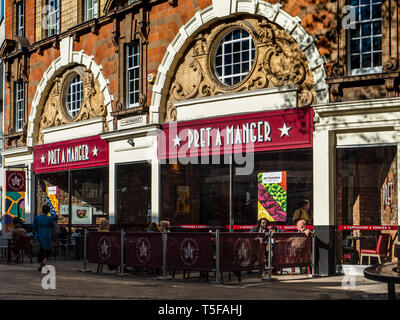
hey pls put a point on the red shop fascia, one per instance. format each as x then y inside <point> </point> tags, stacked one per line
<point>77,154</point>
<point>286,129</point>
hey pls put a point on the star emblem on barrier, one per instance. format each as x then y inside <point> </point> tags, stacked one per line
<point>285,130</point>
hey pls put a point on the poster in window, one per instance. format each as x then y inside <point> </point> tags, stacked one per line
<point>64,210</point>
<point>182,203</point>
<point>81,214</point>
<point>52,201</point>
<point>272,196</point>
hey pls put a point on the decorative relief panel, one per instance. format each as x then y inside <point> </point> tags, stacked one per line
<point>54,111</point>
<point>278,61</point>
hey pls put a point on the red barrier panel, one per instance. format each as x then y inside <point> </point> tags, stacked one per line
<point>144,249</point>
<point>292,249</point>
<point>366,227</point>
<point>191,251</point>
<point>104,247</point>
<point>241,251</point>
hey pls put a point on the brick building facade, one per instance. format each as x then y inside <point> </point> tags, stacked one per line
<point>122,70</point>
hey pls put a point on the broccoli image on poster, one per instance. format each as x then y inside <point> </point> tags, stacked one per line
<point>272,196</point>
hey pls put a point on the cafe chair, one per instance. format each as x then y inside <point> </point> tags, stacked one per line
<point>4,249</point>
<point>379,252</point>
<point>348,249</point>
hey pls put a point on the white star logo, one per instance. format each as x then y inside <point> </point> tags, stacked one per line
<point>104,248</point>
<point>95,150</point>
<point>177,141</point>
<point>42,159</point>
<point>285,130</point>
<point>16,181</point>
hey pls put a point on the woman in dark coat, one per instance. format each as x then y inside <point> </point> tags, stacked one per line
<point>43,226</point>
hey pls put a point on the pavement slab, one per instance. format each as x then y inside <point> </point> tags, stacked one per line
<point>24,282</point>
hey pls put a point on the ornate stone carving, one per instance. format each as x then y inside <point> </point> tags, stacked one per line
<point>54,113</point>
<point>337,92</point>
<point>278,61</point>
<point>390,65</point>
<point>338,70</point>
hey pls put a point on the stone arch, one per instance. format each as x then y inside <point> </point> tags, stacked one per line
<point>222,9</point>
<point>67,59</point>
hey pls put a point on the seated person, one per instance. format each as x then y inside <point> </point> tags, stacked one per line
<point>153,227</point>
<point>18,233</point>
<point>165,225</point>
<point>301,227</point>
<point>262,226</point>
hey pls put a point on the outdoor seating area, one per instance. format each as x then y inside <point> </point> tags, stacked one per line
<point>204,254</point>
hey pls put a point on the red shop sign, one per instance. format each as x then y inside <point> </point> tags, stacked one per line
<point>73,154</point>
<point>261,131</point>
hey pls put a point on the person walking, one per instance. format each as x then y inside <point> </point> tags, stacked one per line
<point>43,226</point>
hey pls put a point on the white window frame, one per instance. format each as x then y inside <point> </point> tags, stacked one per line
<point>361,70</point>
<point>20,19</point>
<point>19,106</point>
<point>54,18</point>
<point>250,50</point>
<point>132,52</point>
<point>74,95</point>
<point>91,9</point>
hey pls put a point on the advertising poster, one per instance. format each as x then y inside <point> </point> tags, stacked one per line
<point>182,203</point>
<point>81,214</point>
<point>272,196</point>
<point>52,201</point>
<point>14,199</point>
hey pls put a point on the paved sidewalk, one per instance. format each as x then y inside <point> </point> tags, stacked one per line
<point>24,281</point>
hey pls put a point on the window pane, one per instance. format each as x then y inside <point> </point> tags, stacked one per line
<point>355,46</point>
<point>355,33</point>
<point>355,62</point>
<point>366,45</point>
<point>377,59</point>
<point>377,43</point>
<point>366,60</point>
<point>365,13</point>
<point>376,11</point>
<point>365,29</point>
<point>377,28</point>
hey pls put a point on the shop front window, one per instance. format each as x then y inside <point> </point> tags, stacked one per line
<point>133,196</point>
<point>89,195</point>
<point>366,184</point>
<point>200,193</point>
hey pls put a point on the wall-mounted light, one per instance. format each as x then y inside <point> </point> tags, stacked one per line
<point>151,78</point>
<point>131,142</point>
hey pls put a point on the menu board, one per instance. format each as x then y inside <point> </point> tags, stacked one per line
<point>272,196</point>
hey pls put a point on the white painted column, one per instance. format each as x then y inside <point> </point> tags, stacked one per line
<point>155,184</point>
<point>323,178</point>
<point>397,175</point>
<point>111,185</point>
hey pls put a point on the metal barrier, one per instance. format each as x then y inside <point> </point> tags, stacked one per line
<point>105,248</point>
<point>144,249</point>
<point>292,249</point>
<point>209,252</point>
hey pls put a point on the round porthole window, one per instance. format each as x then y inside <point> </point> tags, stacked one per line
<point>74,95</point>
<point>234,57</point>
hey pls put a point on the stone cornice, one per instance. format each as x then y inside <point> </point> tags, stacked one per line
<point>356,107</point>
